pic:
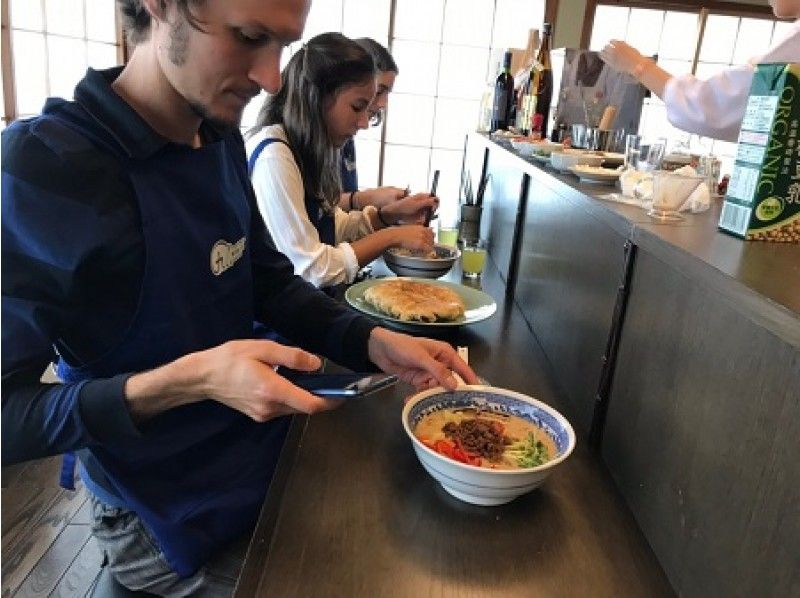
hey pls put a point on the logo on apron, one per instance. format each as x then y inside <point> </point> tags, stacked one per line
<point>224,255</point>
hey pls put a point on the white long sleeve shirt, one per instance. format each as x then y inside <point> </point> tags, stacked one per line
<point>715,107</point>
<point>281,201</point>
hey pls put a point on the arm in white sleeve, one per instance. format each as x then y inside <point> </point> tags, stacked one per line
<point>713,108</point>
<point>353,225</point>
<point>279,191</point>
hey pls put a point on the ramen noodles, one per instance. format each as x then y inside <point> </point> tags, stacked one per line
<point>403,252</point>
<point>486,439</point>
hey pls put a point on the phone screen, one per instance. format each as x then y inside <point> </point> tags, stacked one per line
<point>338,385</point>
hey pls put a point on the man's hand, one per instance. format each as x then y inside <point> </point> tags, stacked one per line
<point>239,374</point>
<point>422,362</point>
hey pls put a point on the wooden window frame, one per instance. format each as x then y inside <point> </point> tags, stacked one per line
<point>7,63</point>
<point>703,8</point>
<point>550,11</point>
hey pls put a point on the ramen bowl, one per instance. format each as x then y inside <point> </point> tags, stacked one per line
<point>546,148</point>
<point>481,485</point>
<point>563,161</point>
<point>523,146</point>
<point>401,263</point>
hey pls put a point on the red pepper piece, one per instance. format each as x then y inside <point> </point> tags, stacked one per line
<point>444,447</point>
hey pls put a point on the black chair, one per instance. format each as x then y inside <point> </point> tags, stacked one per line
<point>106,586</point>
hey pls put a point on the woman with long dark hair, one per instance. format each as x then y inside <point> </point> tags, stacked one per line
<point>293,154</point>
<point>387,71</point>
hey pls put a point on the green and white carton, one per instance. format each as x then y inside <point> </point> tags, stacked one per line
<point>763,198</point>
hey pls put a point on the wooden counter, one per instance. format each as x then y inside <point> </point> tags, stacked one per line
<point>679,346</point>
<point>675,349</point>
<point>352,512</point>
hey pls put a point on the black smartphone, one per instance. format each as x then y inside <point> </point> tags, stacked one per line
<point>341,386</point>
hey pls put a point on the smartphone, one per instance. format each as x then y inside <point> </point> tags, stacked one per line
<point>341,386</point>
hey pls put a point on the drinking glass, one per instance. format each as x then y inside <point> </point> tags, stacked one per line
<point>447,233</point>
<point>655,154</point>
<point>473,258</point>
<point>670,192</point>
<point>593,138</point>
<point>709,167</point>
<point>633,145</point>
<point>579,136</point>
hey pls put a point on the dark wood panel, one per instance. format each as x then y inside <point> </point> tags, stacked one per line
<point>762,279</point>
<point>500,205</point>
<point>570,267</point>
<point>702,437</point>
<point>55,562</point>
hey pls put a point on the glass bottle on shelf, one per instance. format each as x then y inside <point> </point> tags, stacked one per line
<point>528,99</point>
<point>485,116</point>
<point>512,115</point>
<point>544,80</point>
<point>503,96</point>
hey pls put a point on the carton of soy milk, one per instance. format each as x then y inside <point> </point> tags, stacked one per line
<point>763,198</point>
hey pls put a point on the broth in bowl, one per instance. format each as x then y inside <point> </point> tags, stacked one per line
<point>430,255</point>
<point>486,439</point>
<point>497,439</point>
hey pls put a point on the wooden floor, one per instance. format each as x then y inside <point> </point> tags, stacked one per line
<point>47,547</point>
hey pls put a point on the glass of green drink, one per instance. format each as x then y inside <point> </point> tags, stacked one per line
<point>473,258</point>
<point>448,236</point>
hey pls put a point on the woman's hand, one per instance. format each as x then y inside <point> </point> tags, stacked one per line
<point>411,209</point>
<point>422,362</point>
<point>620,56</point>
<point>412,236</point>
<point>382,196</point>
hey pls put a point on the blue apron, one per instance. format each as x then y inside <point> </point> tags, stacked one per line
<point>320,219</point>
<point>348,170</point>
<point>198,474</point>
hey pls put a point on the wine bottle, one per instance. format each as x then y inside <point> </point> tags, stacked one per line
<point>543,89</point>
<point>503,96</point>
<point>528,100</point>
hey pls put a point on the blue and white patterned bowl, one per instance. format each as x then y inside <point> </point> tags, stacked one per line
<point>478,485</point>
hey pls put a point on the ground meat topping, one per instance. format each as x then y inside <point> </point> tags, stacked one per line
<point>478,436</point>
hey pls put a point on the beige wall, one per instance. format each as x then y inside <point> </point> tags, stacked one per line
<point>569,23</point>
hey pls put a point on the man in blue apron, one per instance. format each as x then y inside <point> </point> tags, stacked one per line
<point>134,256</point>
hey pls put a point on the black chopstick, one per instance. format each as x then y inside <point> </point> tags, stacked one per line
<point>483,179</point>
<point>434,184</point>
